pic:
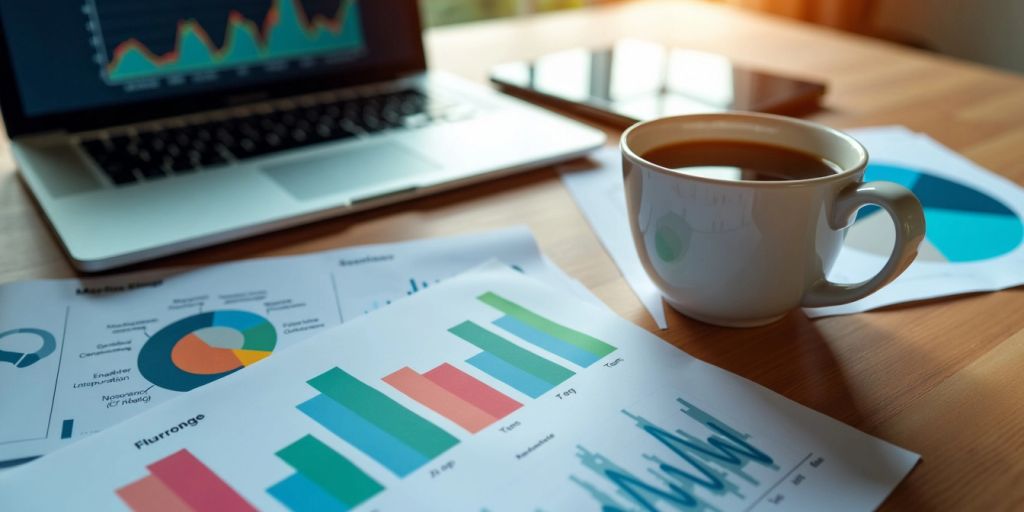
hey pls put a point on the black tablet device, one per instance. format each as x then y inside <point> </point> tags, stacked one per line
<point>637,80</point>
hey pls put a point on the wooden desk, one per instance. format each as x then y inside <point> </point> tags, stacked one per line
<point>941,378</point>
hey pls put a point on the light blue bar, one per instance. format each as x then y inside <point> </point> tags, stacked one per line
<point>300,494</point>
<point>496,367</point>
<point>547,342</point>
<point>367,437</point>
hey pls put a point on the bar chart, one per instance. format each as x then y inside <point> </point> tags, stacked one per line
<point>455,395</point>
<point>324,480</point>
<point>369,420</point>
<point>180,481</point>
<point>401,440</point>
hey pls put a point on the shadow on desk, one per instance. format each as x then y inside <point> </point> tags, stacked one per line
<point>791,357</point>
<point>814,366</point>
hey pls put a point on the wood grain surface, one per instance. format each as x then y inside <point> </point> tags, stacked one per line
<point>941,378</point>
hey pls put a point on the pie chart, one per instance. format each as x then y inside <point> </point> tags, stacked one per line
<point>964,224</point>
<point>202,348</point>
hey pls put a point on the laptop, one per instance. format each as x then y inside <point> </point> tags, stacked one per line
<point>145,129</point>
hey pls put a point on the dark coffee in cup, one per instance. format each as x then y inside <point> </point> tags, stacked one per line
<point>740,161</point>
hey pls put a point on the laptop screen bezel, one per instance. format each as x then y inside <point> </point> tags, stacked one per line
<point>17,123</point>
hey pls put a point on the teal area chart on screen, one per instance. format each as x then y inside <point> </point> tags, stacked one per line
<point>964,225</point>
<point>202,348</point>
<point>285,32</point>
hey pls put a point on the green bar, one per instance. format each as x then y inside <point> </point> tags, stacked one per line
<point>374,406</point>
<point>511,353</point>
<point>330,471</point>
<point>583,341</point>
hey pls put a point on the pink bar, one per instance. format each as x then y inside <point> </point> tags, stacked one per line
<point>466,387</point>
<point>151,495</point>
<point>200,488</point>
<point>421,389</point>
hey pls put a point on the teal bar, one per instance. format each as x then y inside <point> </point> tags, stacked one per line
<point>367,437</point>
<point>300,494</point>
<point>547,342</point>
<point>511,353</point>
<point>330,471</point>
<point>540,323</point>
<point>380,410</point>
<point>525,383</point>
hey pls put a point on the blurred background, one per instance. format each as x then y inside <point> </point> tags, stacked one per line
<point>445,12</point>
<point>986,31</point>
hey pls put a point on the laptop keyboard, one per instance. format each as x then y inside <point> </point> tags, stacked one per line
<point>146,155</point>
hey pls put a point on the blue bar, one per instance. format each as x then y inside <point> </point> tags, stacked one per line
<point>526,383</point>
<point>367,437</point>
<point>547,342</point>
<point>66,429</point>
<point>300,494</point>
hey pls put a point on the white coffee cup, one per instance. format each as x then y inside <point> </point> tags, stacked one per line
<point>745,253</point>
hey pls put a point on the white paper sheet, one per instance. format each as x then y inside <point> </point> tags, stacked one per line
<point>415,407</point>
<point>974,217</point>
<point>974,231</point>
<point>92,332</point>
<point>599,194</point>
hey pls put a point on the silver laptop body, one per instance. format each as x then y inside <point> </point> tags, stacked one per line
<point>203,184</point>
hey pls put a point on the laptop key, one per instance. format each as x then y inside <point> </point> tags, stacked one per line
<point>211,158</point>
<point>123,177</point>
<point>176,164</point>
<point>118,142</point>
<point>144,156</point>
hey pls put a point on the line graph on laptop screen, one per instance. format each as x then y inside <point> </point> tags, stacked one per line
<point>167,42</point>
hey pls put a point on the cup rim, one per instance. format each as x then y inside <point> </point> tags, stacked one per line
<point>862,152</point>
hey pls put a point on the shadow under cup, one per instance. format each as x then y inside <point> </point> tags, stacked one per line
<point>737,253</point>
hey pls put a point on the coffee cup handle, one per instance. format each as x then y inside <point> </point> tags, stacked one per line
<point>908,217</point>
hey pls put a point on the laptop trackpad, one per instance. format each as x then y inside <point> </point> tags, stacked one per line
<point>374,167</point>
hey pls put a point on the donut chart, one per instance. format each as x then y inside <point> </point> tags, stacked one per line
<point>202,348</point>
<point>964,224</point>
<point>47,345</point>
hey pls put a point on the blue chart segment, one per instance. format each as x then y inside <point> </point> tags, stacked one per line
<point>324,480</point>
<point>299,493</point>
<point>388,450</point>
<point>714,461</point>
<point>963,224</point>
<point>547,342</point>
<point>522,380</point>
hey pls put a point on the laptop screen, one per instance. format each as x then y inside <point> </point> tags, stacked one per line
<point>77,55</point>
